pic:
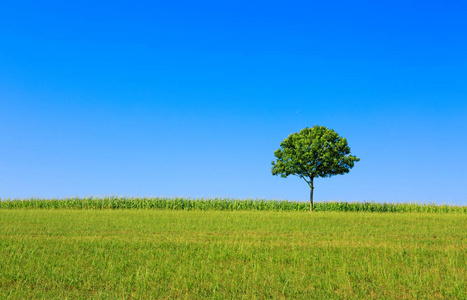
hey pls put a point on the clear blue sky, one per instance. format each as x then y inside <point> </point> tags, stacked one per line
<point>191,98</point>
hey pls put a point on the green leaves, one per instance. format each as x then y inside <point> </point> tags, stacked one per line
<point>313,152</point>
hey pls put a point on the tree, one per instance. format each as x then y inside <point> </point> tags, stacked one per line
<point>313,152</point>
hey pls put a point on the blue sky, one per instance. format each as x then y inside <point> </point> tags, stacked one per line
<point>191,98</point>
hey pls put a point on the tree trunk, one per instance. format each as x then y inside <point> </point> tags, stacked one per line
<point>311,194</point>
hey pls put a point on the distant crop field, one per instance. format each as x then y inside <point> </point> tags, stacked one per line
<point>222,204</point>
<point>166,254</point>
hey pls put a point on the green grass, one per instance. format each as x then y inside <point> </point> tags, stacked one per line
<point>166,254</point>
<point>223,204</point>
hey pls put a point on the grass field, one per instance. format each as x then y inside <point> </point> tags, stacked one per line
<point>145,254</point>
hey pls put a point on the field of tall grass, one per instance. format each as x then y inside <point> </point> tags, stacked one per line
<point>167,254</point>
<point>223,204</point>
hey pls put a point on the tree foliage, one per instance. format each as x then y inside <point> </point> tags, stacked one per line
<point>313,152</point>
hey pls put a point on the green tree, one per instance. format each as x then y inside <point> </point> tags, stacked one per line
<point>313,152</point>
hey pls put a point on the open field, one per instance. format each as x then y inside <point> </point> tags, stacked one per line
<point>223,204</point>
<point>224,254</point>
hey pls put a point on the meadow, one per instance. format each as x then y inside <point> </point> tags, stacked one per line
<point>242,254</point>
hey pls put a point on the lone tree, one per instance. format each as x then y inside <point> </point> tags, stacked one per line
<point>313,152</point>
